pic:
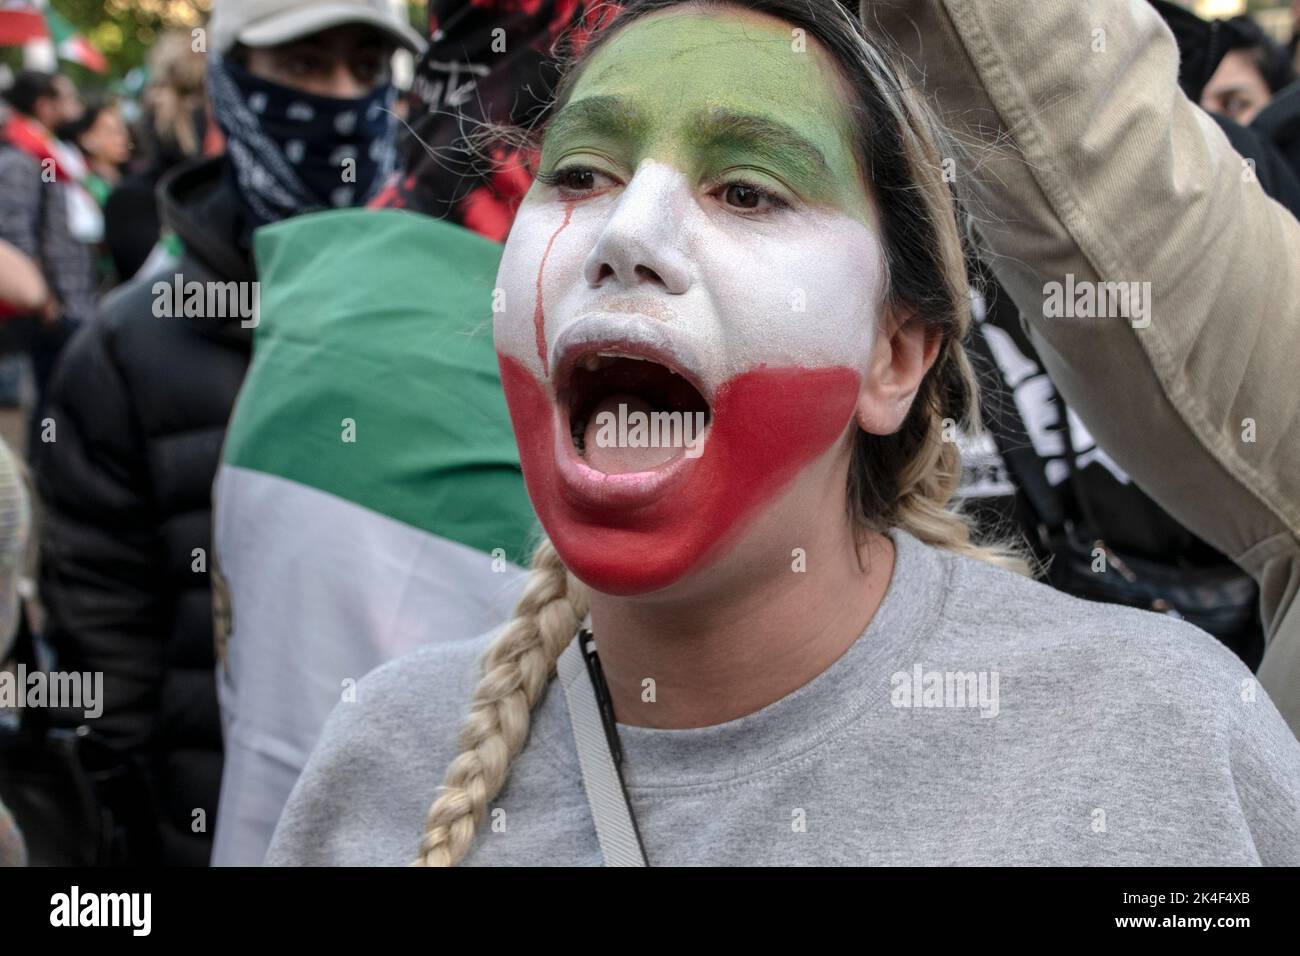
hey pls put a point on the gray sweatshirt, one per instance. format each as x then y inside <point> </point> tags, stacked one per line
<point>981,719</point>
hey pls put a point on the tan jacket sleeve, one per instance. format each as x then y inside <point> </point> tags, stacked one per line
<point>1080,156</point>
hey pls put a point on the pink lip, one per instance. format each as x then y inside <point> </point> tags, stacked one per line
<point>590,490</point>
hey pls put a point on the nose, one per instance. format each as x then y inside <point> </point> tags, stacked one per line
<point>643,241</point>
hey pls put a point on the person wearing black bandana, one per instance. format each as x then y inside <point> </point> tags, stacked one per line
<point>308,122</point>
<point>301,90</point>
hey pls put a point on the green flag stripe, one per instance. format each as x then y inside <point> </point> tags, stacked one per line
<point>374,377</point>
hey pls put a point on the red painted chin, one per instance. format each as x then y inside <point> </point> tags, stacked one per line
<point>637,533</point>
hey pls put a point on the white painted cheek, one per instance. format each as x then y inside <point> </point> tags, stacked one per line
<point>845,287</point>
<point>512,298</point>
<point>807,296</point>
<point>515,296</point>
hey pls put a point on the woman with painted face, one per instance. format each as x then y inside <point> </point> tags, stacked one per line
<point>139,405</point>
<point>775,642</point>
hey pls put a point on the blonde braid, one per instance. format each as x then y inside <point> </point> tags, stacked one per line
<point>516,669</point>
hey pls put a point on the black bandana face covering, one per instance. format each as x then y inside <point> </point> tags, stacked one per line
<point>295,152</point>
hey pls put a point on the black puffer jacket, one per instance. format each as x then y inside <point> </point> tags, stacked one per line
<point>140,404</point>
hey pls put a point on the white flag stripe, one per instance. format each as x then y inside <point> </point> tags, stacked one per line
<point>341,590</point>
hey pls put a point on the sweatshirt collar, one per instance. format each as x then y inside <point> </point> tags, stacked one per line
<point>856,684</point>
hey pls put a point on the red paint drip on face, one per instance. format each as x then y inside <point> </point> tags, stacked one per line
<point>767,425</point>
<point>539,320</point>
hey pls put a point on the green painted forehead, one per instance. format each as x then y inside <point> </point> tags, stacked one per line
<point>723,88</point>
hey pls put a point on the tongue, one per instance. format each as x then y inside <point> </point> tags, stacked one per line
<point>616,450</point>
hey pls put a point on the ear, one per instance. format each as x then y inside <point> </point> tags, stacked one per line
<point>903,353</point>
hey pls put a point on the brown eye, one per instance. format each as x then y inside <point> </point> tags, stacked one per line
<point>742,196</point>
<point>578,179</point>
<point>1237,106</point>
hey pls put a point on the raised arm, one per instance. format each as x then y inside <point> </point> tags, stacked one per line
<point>1079,156</point>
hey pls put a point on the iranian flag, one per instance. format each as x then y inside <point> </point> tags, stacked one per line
<point>46,34</point>
<point>20,22</point>
<point>71,45</point>
<point>369,499</point>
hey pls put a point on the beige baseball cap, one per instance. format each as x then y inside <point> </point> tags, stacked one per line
<point>272,22</point>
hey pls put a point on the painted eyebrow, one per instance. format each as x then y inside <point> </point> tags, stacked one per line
<point>619,118</point>
<point>610,116</point>
<point>720,127</point>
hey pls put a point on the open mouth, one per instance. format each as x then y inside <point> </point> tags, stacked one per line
<point>628,413</point>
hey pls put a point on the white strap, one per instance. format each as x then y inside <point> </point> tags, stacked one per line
<point>614,829</point>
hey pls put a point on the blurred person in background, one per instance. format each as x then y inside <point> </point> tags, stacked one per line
<point>1279,121</point>
<point>1253,69</point>
<point>175,104</point>
<point>300,90</point>
<point>101,135</point>
<point>487,64</point>
<point>57,102</point>
<point>46,214</point>
<point>1270,140</point>
<point>171,132</point>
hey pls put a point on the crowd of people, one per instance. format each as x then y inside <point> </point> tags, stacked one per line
<point>232,504</point>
